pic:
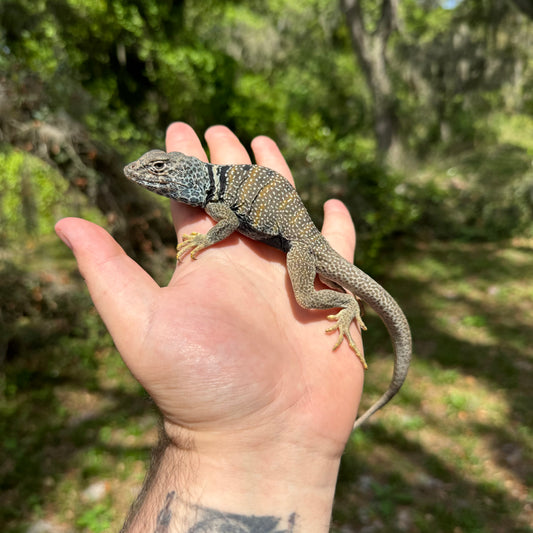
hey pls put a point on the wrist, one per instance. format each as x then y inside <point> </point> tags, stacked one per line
<point>219,475</point>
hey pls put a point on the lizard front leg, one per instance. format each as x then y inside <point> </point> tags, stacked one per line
<point>301,265</point>
<point>227,223</point>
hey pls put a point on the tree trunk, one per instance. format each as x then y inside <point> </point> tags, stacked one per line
<point>370,50</point>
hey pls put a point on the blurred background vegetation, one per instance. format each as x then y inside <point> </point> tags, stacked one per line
<point>417,113</point>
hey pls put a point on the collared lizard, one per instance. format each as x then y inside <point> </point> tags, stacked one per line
<point>261,204</point>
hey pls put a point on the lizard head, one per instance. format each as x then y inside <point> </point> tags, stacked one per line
<point>174,175</point>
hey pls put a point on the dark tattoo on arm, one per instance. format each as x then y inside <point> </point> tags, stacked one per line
<point>212,521</point>
<point>165,515</point>
<point>208,520</point>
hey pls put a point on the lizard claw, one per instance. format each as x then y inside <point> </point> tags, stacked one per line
<point>340,316</point>
<point>344,319</point>
<point>192,243</point>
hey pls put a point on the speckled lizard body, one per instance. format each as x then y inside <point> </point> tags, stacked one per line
<point>261,204</point>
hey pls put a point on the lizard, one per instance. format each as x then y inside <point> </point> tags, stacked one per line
<point>261,204</point>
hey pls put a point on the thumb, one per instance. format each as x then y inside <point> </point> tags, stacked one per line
<point>121,290</point>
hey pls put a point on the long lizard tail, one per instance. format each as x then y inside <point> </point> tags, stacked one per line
<point>390,312</point>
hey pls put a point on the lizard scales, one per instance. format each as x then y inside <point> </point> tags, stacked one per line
<point>261,204</point>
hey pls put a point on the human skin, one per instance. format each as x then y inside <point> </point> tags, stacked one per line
<point>256,406</point>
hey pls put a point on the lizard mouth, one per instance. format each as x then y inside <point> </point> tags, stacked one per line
<point>132,173</point>
<point>152,184</point>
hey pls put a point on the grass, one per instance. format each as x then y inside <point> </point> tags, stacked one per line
<point>452,453</point>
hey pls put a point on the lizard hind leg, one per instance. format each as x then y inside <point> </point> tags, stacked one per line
<point>301,266</point>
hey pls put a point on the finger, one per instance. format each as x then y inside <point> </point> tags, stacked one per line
<point>268,154</point>
<point>338,228</point>
<point>121,290</point>
<point>181,137</point>
<point>224,146</point>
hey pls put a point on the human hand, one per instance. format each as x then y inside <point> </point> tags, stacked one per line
<point>231,360</point>
<point>225,346</point>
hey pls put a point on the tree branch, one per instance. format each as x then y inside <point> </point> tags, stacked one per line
<point>388,21</point>
<point>358,33</point>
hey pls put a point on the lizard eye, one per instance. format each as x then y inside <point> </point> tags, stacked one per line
<point>158,166</point>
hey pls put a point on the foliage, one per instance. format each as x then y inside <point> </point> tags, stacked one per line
<point>96,519</point>
<point>33,196</point>
<point>28,183</point>
<point>126,68</point>
<point>461,65</point>
<point>486,193</point>
<point>86,84</point>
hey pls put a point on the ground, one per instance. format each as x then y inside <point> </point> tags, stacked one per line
<point>453,452</point>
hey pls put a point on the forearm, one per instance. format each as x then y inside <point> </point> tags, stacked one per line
<point>281,489</point>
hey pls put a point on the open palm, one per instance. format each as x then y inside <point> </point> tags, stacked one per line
<point>225,348</point>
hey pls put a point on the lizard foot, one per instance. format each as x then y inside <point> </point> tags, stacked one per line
<point>344,319</point>
<point>192,243</point>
